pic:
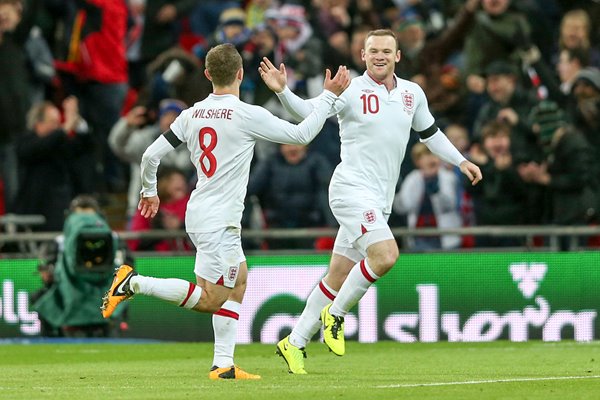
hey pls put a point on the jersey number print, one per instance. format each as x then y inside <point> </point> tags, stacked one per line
<point>370,103</point>
<point>207,157</point>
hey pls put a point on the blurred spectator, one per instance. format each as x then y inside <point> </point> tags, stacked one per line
<point>586,118</point>
<point>567,171</point>
<point>175,74</point>
<point>509,103</point>
<point>46,158</point>
<point>133,43</point>
<point>555,84</point>
<point>292,190</point>
<point>95,70</point>
<point>498,34</point>
<point>570,62</point>
<point>160,25</point>
<point>575,31</point>
<point>502,199</point>
<point>298,48</point>
<point>428,195</point>
<point>174,194</point>
<point>428,63</point>
<point>459,137</point>
<point>357,44</point>
<point>262,43</point>
<point>204,18</point>
<point>41,64</point>
<point>132,135</point>
<point>586,90</point>
<point>255,12</point>
<point>333,17</point>
<point>232,29</point>
<point>15,92</point>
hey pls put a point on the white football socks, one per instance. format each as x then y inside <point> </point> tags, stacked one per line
<point>225,322</point>
<point>308,324</point>
<point>176,291</point>
<point>359,280</point>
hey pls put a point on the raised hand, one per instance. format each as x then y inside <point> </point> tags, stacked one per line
<point>274,78</point>
<point>339,82</point>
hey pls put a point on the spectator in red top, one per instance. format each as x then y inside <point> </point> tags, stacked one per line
<point>95,70</point>
<point>174,194</point>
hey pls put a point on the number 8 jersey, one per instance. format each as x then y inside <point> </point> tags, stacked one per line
<point>221,132</point>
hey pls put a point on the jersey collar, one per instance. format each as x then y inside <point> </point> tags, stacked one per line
<point>374,81</point>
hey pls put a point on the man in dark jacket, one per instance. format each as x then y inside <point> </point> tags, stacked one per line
<point>502,199</point>
<point>567,173</point>
<point>509,103</point>
<point>292,190</point>
<point>14,81</point>
<point>46,155</point>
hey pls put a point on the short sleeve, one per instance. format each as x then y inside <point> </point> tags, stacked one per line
<point>422,118</point>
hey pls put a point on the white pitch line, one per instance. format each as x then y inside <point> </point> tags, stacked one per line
<point>508,380</point>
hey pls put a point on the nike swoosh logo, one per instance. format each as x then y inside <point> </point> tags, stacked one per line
<point>119,289</point>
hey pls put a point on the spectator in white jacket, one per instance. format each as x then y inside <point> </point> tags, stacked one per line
<point>132,135</point>
<point>428,197</point>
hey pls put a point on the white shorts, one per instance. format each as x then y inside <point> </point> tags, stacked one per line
<point>361,225</point>
<point>218,255</point>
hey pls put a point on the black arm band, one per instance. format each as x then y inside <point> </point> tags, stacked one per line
<point>428,132</point>
<point>172,139</point>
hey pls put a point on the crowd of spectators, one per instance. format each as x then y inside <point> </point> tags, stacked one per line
<point>86,84</point>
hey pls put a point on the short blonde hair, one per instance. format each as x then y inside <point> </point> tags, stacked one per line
<point>223,62</point>
<point>37,113</point>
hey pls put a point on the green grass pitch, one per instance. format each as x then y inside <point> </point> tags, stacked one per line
<point>386,370</point>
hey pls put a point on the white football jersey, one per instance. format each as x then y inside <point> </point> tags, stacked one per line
<point>220,133</point>
<point>374,132</point>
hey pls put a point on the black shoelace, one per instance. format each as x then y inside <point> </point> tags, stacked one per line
<point>337,325</point>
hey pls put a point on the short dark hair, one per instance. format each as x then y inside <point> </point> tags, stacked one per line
<point>223,62</point>
<point>84,201</point>
<point>382,32</point>
<point>580,54</point>
<point>494,129</point>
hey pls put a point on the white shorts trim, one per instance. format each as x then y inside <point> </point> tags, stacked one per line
<point>218,255</point>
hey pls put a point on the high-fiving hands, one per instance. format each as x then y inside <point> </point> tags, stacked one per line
<point>276,78</point>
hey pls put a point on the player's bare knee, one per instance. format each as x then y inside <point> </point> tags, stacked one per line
<point>382,262</point>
